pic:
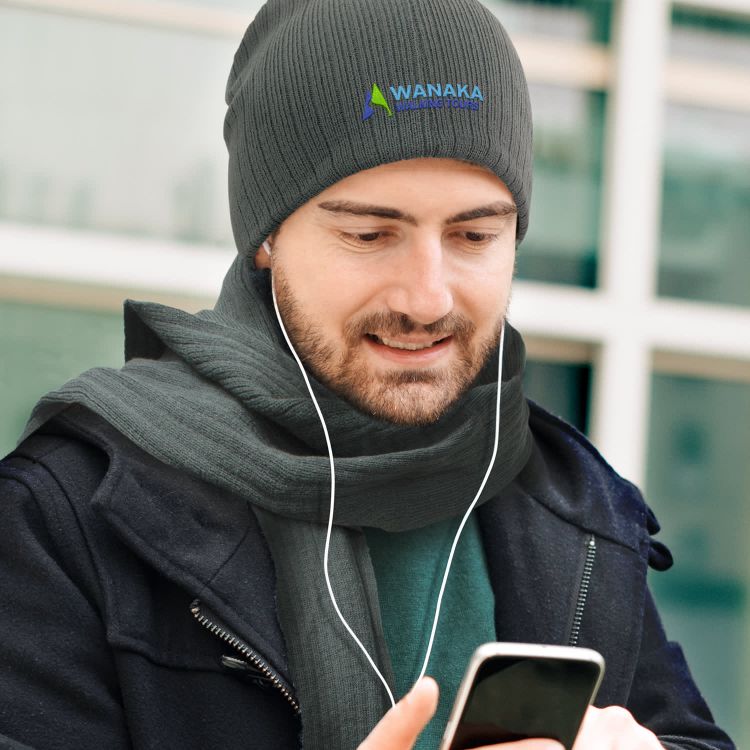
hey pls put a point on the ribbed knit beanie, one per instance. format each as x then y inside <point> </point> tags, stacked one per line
<point>321,89</point>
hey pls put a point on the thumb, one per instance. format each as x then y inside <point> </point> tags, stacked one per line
<point>399,728</point>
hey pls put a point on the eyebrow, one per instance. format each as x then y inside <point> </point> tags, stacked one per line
<point>499,208</point>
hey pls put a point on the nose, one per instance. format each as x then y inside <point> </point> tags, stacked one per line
<point>420,285</point>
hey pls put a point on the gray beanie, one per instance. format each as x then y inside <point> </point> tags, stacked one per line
<point>321,89</point>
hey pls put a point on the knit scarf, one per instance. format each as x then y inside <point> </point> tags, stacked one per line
<point>218,394</point>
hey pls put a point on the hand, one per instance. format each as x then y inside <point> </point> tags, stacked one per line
<point>400,727</point>
<point>614,728</point>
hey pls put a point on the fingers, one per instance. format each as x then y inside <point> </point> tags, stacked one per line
<point>399,728</point>
<point>614,728</point>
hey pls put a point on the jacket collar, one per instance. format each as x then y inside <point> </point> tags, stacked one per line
<point>567,475</point>
<point>205,540</point>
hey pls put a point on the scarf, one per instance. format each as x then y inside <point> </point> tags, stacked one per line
<point>218,394</point>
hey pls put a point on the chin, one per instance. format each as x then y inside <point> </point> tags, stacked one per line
<point>412,409</point>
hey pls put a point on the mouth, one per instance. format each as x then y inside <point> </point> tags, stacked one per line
<point>418,354</point>
<point>406,345</point>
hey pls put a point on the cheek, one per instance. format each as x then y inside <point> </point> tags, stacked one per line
<point>485,295</point>
<point>490,312</point>
<point>328,299</point>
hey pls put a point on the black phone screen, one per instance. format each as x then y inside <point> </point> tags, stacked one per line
<point>517,698</point>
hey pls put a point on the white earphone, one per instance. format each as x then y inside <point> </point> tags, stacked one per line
<point>333,501</point>
<point>267,248</point>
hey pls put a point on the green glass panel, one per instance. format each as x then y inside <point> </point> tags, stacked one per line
<point>562,389</point>
<point>695,18</point>
<point>113,127</point>
<point>719,38</point>
<point>42,348</point>
<point>581,20</point>
<point>561,244</point>
<point>698,483</point>
<point>705,243</point>
<point>705,233</point>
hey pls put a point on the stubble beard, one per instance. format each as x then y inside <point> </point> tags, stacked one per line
<point>405,397</point>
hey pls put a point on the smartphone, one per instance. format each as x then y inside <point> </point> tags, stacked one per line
<point>516,691</point>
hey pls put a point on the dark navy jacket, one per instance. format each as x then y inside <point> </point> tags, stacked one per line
<point>138,603</point>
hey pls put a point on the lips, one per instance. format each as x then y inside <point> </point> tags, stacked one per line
<point>405,345</point>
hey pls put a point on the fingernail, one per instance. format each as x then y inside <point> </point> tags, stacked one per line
<point>425,683</point>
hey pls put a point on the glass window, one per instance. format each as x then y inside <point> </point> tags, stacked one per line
<point>42,348</point>
<point>561,388</point>
<point>113,127</point>
<point>580,20</point>
<point>561,244</point>
<point>698,483</point>
<point>723,39</point>
<point>705,232</point>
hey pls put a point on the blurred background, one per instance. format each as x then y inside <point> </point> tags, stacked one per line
<point>634,279</point>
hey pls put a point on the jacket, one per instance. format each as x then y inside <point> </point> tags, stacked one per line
<point>138,602</point>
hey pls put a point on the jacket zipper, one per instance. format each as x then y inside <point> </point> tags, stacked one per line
<point>245,650</point>
<point>583,591</point>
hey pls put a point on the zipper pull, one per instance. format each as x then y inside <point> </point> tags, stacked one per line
<point>257,669</point>
<point>247,669</point>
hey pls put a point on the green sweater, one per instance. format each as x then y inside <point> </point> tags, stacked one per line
<point>409,568</point>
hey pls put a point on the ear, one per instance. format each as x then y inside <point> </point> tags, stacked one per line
<point>262,258</point>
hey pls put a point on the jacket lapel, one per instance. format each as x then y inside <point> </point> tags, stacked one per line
<point>204,540</point>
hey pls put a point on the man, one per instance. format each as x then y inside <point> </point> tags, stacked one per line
<point>170,575</point>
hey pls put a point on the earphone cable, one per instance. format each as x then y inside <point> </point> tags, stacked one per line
<point>332,505</point>
<point>333,499</point>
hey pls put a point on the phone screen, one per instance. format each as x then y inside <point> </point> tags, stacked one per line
<point>517,698</point>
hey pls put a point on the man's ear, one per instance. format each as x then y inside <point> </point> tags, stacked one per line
<point>262,257</point>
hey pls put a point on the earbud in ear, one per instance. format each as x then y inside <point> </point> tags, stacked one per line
<point>267,248</point>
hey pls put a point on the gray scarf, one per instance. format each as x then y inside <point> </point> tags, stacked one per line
<point>218,395</point>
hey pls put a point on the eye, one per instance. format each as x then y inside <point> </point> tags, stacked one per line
<point>363,239</point>
<point>478,238</point>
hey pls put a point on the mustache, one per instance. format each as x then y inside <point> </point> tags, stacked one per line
<point>393,324</point>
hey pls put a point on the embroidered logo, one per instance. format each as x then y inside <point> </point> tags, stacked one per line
<point>419,96</point>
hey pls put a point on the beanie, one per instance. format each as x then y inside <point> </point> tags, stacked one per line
<point>321,89</point>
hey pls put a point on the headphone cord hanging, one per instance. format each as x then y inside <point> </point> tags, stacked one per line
<point>333,500</point>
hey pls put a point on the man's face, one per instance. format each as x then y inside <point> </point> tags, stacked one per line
<point>393,283</point>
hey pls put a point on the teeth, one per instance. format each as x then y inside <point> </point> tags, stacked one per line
<point>410,347</point>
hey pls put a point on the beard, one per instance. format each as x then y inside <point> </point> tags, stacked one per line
<point>407,397</point>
